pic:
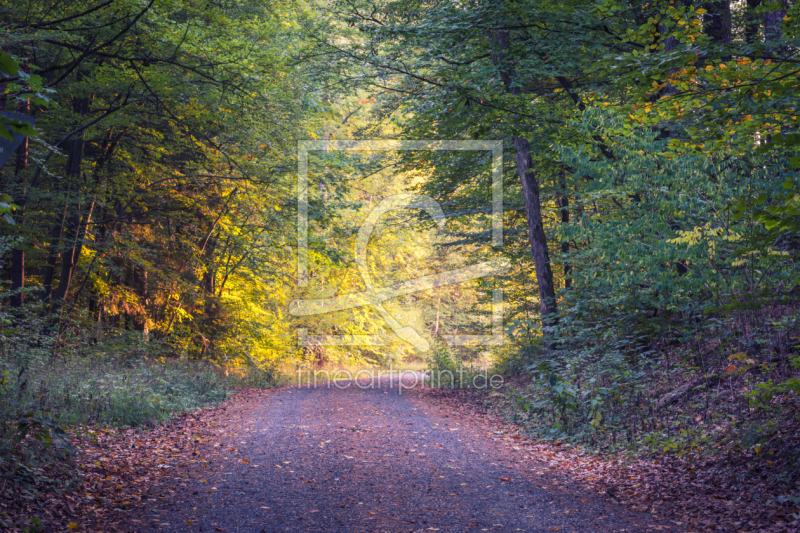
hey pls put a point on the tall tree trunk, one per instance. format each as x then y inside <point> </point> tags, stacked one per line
<point>530,189</point>
<point>773,37</point>
<point>717,21</point>
<point>17,276</point>
<point>208,283</point>
<point>75,229</point>
<point>563,203</point>
<point>69,258</point>
<point>773,29</point>
<point>18,254</point>
<point>140,283</point>
<point>752,22</point>
<point>52,256</point>
<point>536,235</point>
<point>211,305</point>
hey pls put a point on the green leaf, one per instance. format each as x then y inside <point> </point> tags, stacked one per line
<point>8,66</point>
<point>20,127</point>
<point>6,132</point>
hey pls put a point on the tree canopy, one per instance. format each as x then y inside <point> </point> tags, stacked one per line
<point>652,145</point>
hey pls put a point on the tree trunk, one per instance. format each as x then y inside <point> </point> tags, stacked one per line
<point>75,230</point>
<point>52,257</point>
<point>140,284</point>
<point>17,254</point>
<point>717,21</point>
<point>17,276</point>
<point>751,21</point>
<point>208,283</point>
<point>773,29</point>
<point>563,203</point>
<point>69,258</point>
<point>530,189</point>
<point>536,235</point>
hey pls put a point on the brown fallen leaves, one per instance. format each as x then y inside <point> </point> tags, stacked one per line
<point>118,470</point>
<point>121,467</point>
<point>695,492</point>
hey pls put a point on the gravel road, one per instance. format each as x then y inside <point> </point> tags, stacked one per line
<point>375,459</point>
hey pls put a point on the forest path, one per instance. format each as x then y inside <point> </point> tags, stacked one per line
<point>370,459</point>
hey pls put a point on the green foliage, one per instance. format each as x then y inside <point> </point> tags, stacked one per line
<point>444,367</point>
<point>25,86</point>
<point>447,368</point>
<point>154,197</point>
<point>763,394</point>
<point>102,387</point>
<point>665,157</point>
<point>122,379</point>
<point>155,209</point>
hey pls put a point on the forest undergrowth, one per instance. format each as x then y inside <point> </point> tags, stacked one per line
<point>704,435</point>
<point>55,399</point>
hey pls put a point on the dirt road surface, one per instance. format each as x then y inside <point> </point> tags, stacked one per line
<point>370,458</point>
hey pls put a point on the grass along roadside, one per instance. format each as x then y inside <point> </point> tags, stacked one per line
<point>55,409</point>
<point>121,469</point>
